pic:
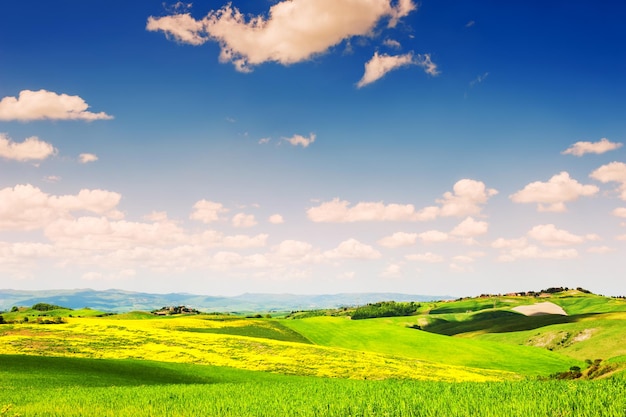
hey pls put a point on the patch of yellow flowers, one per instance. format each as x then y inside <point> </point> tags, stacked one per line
<point>167,340</point>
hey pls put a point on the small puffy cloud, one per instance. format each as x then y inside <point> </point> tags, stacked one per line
<point>428,257</point>
<point>32,149</point>
<point>470,24</point>
<point>293,31</point>
<point>85,158</point>
<point>549,235</point>
<point>207,211</point>
<point>619,212</point>
<point>502,243</point>
<point>379,65</point>
<point>25,207</point>
<point>264,141</point>
<point>463,259</point>
<point>552,195</point>
<point>352,249</point>
<point>52,178</point>
<point>243,220</point>
<point>398,239</point>
<point>300,140</point>
<point>466,199</point>
<point>276,219</point>
<point>391,43</point>
<point>602,146</point>
<point>620,237</point>
<point>42,104</point>
<point>433,236</point>
<point>470,228</point>
<point>612,172</point>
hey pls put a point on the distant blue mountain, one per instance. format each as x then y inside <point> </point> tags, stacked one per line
<point>123,301</point>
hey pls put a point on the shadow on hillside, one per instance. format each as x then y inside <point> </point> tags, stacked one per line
<point>498,322</point>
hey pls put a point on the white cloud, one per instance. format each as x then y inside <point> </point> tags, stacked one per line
<point>398,239</point>
<point>52,178</point>
<point>552,195</point>
<point>303,141</point>
<point>463,259</point>
<point>612,172</point>
<point>392,43</point>
<point>433,236</point>
<point>276,219</point>
<point>25,207</point>
<point>466,199</point>
<point>549,235</point>
<point>100,233</point>
<point>243,220</point>
<point>581,148</point>
<point>294,31</point>
<point>470,228</point>
<point>207,211</point>
<point>85,158</point>
<point>337,211</point>
<point>31,149</point>
<point>42,104</point>
<point>379,65</point>
<point>428,257</point>
<point>352,249</point>
<point>601,249</point>
<point>534,252</point>
<point>392,271</point>
<point>619,212</point>
<point>502,243</point>
<point>264,141</point>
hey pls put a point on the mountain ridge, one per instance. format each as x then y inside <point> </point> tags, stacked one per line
<point>116,300</point>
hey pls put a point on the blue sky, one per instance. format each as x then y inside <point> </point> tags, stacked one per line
<point>312,146</point>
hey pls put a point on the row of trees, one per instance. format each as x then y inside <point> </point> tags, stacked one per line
<point>385,309</point>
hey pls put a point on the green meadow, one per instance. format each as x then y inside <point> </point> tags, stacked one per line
<point>471,357</point>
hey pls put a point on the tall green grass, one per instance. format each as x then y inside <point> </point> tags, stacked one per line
<point>78,387</point>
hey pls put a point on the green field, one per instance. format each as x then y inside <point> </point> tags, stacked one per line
<point>472,357</point>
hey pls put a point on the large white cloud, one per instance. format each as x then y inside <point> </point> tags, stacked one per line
<point>379,65</point>
<point>26,207</point>
<point>612,172</point>
<point>32,149</point>
<point>552,195</point>
<point>467,198</point>
<point>602,146</point>
<point>294,30</point>
<point>42,104</point>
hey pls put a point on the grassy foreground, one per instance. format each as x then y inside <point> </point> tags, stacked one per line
<point>493,362</point>
<point>68,387</point>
